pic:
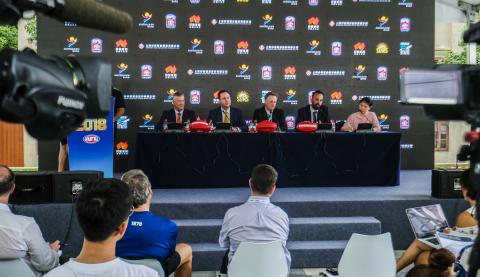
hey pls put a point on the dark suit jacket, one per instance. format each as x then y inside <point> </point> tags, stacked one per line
<point>305,115</point>
<point>170,116</point>
<point>278,117</point>
<point>236,117</point>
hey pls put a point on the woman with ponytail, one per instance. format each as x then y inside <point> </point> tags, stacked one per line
<point>466,225</point>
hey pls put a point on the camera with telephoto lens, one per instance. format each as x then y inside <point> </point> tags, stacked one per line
<point>452,92</point>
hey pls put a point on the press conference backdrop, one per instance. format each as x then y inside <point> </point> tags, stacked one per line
<point>348,49</point>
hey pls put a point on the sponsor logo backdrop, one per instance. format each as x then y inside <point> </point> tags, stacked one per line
<point>348,49</point>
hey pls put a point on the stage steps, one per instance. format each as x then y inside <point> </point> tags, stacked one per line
<point>322,218</point>
<point>313,242</point>
<point>311,229</point>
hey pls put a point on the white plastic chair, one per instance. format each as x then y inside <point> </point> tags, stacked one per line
<point>151,263</point>
<point>368,256</point>
<point>15,267</point>
<point>259,260</point>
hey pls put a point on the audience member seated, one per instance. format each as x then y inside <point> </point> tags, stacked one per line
<point>257,220</point>
<point>149,235</point>
<point>419,252</point>
<point>20,236</point>
<point>102,210</point>
<point>440,264</point>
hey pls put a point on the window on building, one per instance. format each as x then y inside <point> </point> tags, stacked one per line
<point>441,136</point>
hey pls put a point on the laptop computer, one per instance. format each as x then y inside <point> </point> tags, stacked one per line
<point>324,127</point>
<point>426,221</point>
<point>223,127</point>
<point>174,127</point>
<point>364,127</point>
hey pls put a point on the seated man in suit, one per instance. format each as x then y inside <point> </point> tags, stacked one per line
<point>178,114</point>
<point>227,114</point>
<point>270,112</point>
<point>316,112</point>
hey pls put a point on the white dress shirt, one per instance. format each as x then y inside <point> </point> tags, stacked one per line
<point>257,220</point>
<point>20,237</point>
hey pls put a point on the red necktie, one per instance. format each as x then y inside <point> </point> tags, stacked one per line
<point>179,117</point>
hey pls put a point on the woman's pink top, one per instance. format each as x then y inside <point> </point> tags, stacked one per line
<point>356,118</point>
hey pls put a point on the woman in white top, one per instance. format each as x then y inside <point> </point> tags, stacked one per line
<point>419,252</point>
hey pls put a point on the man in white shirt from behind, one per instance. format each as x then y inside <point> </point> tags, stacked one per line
<point>20,236</point>
<point>257,220</point>
<point>102,210</point>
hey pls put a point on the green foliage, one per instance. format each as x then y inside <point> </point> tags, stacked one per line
<point>457,58</point>
<point>31,28</point>
<point>454,58</point>
<point>8,37</point>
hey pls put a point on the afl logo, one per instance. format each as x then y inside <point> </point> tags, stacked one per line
<point>91,139</point>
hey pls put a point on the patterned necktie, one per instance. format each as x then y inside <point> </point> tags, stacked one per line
<point>179,117</point>
<point>226,118</point>
<point>269,116</point>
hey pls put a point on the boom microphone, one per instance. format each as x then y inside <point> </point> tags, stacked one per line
<point>88,13</point>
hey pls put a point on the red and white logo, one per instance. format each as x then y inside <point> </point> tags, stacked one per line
<point>91,139</point>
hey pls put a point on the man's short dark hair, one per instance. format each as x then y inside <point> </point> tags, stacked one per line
<point>270,94</point>
<point>223,91</point>
<point>318,92</point>
<point>6,181</point>
<point>264,178</point>
<point>102,207</point>
<point>178,94</point>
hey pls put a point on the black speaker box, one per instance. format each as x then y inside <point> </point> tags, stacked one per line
<point>446,183</point>
<point>68,185</point>
<point>32,188</point>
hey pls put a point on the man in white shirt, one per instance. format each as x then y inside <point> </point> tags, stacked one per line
<point>102,210</point>
<point>257,220</point>
<point>20,236</point>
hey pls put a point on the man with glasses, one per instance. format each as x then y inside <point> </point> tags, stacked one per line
<point>270,112</point>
